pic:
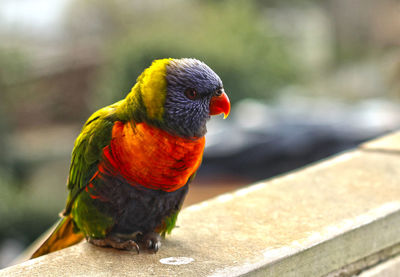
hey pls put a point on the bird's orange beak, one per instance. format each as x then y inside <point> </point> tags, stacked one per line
<point>220,104</point>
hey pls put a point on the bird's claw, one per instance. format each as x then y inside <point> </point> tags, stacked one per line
<point>115,243</point>
<point>130,245</point>
<point>152,241</point>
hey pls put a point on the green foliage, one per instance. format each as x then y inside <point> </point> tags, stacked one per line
<point>14,66</point>
<point>22,217</point>
<point>231,37</point>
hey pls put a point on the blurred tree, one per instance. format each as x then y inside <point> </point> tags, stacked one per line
<point>231,37</point>
<point>23,217</point>
<point>14,68</point>
<point>18,210</point>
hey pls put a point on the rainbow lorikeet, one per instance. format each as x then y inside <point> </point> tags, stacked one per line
<point>133,161</point>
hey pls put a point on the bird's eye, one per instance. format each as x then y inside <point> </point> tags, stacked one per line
<point>219,92</point>
<point>191,94</point>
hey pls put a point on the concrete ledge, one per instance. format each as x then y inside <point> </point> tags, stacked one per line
<point>390,268</point>
<point>388,143</point>
<point>337,215</point>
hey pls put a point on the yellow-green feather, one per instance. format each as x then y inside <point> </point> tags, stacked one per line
<point>91,220</point>
<point>153,87</point>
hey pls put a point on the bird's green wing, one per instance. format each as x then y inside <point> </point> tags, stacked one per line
<point>88,149</point>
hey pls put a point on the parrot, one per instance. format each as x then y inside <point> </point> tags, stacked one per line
<point>132,163</point>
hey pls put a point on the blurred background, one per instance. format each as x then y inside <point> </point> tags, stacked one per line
<point>306,78</point>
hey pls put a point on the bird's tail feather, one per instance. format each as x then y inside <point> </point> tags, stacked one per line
<point>64,235</point>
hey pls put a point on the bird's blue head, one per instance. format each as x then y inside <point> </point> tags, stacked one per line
<point>181,94</point>
<point>191,87</point>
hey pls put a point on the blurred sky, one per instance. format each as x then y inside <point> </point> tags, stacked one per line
<point>36,16</point>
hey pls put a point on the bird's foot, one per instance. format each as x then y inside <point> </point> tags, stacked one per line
<point>151,241</point>
<point>115,243</point>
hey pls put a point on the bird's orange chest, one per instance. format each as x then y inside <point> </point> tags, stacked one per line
<point>153,158</point>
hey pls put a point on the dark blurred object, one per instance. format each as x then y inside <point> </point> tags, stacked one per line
<point>265,140</point>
